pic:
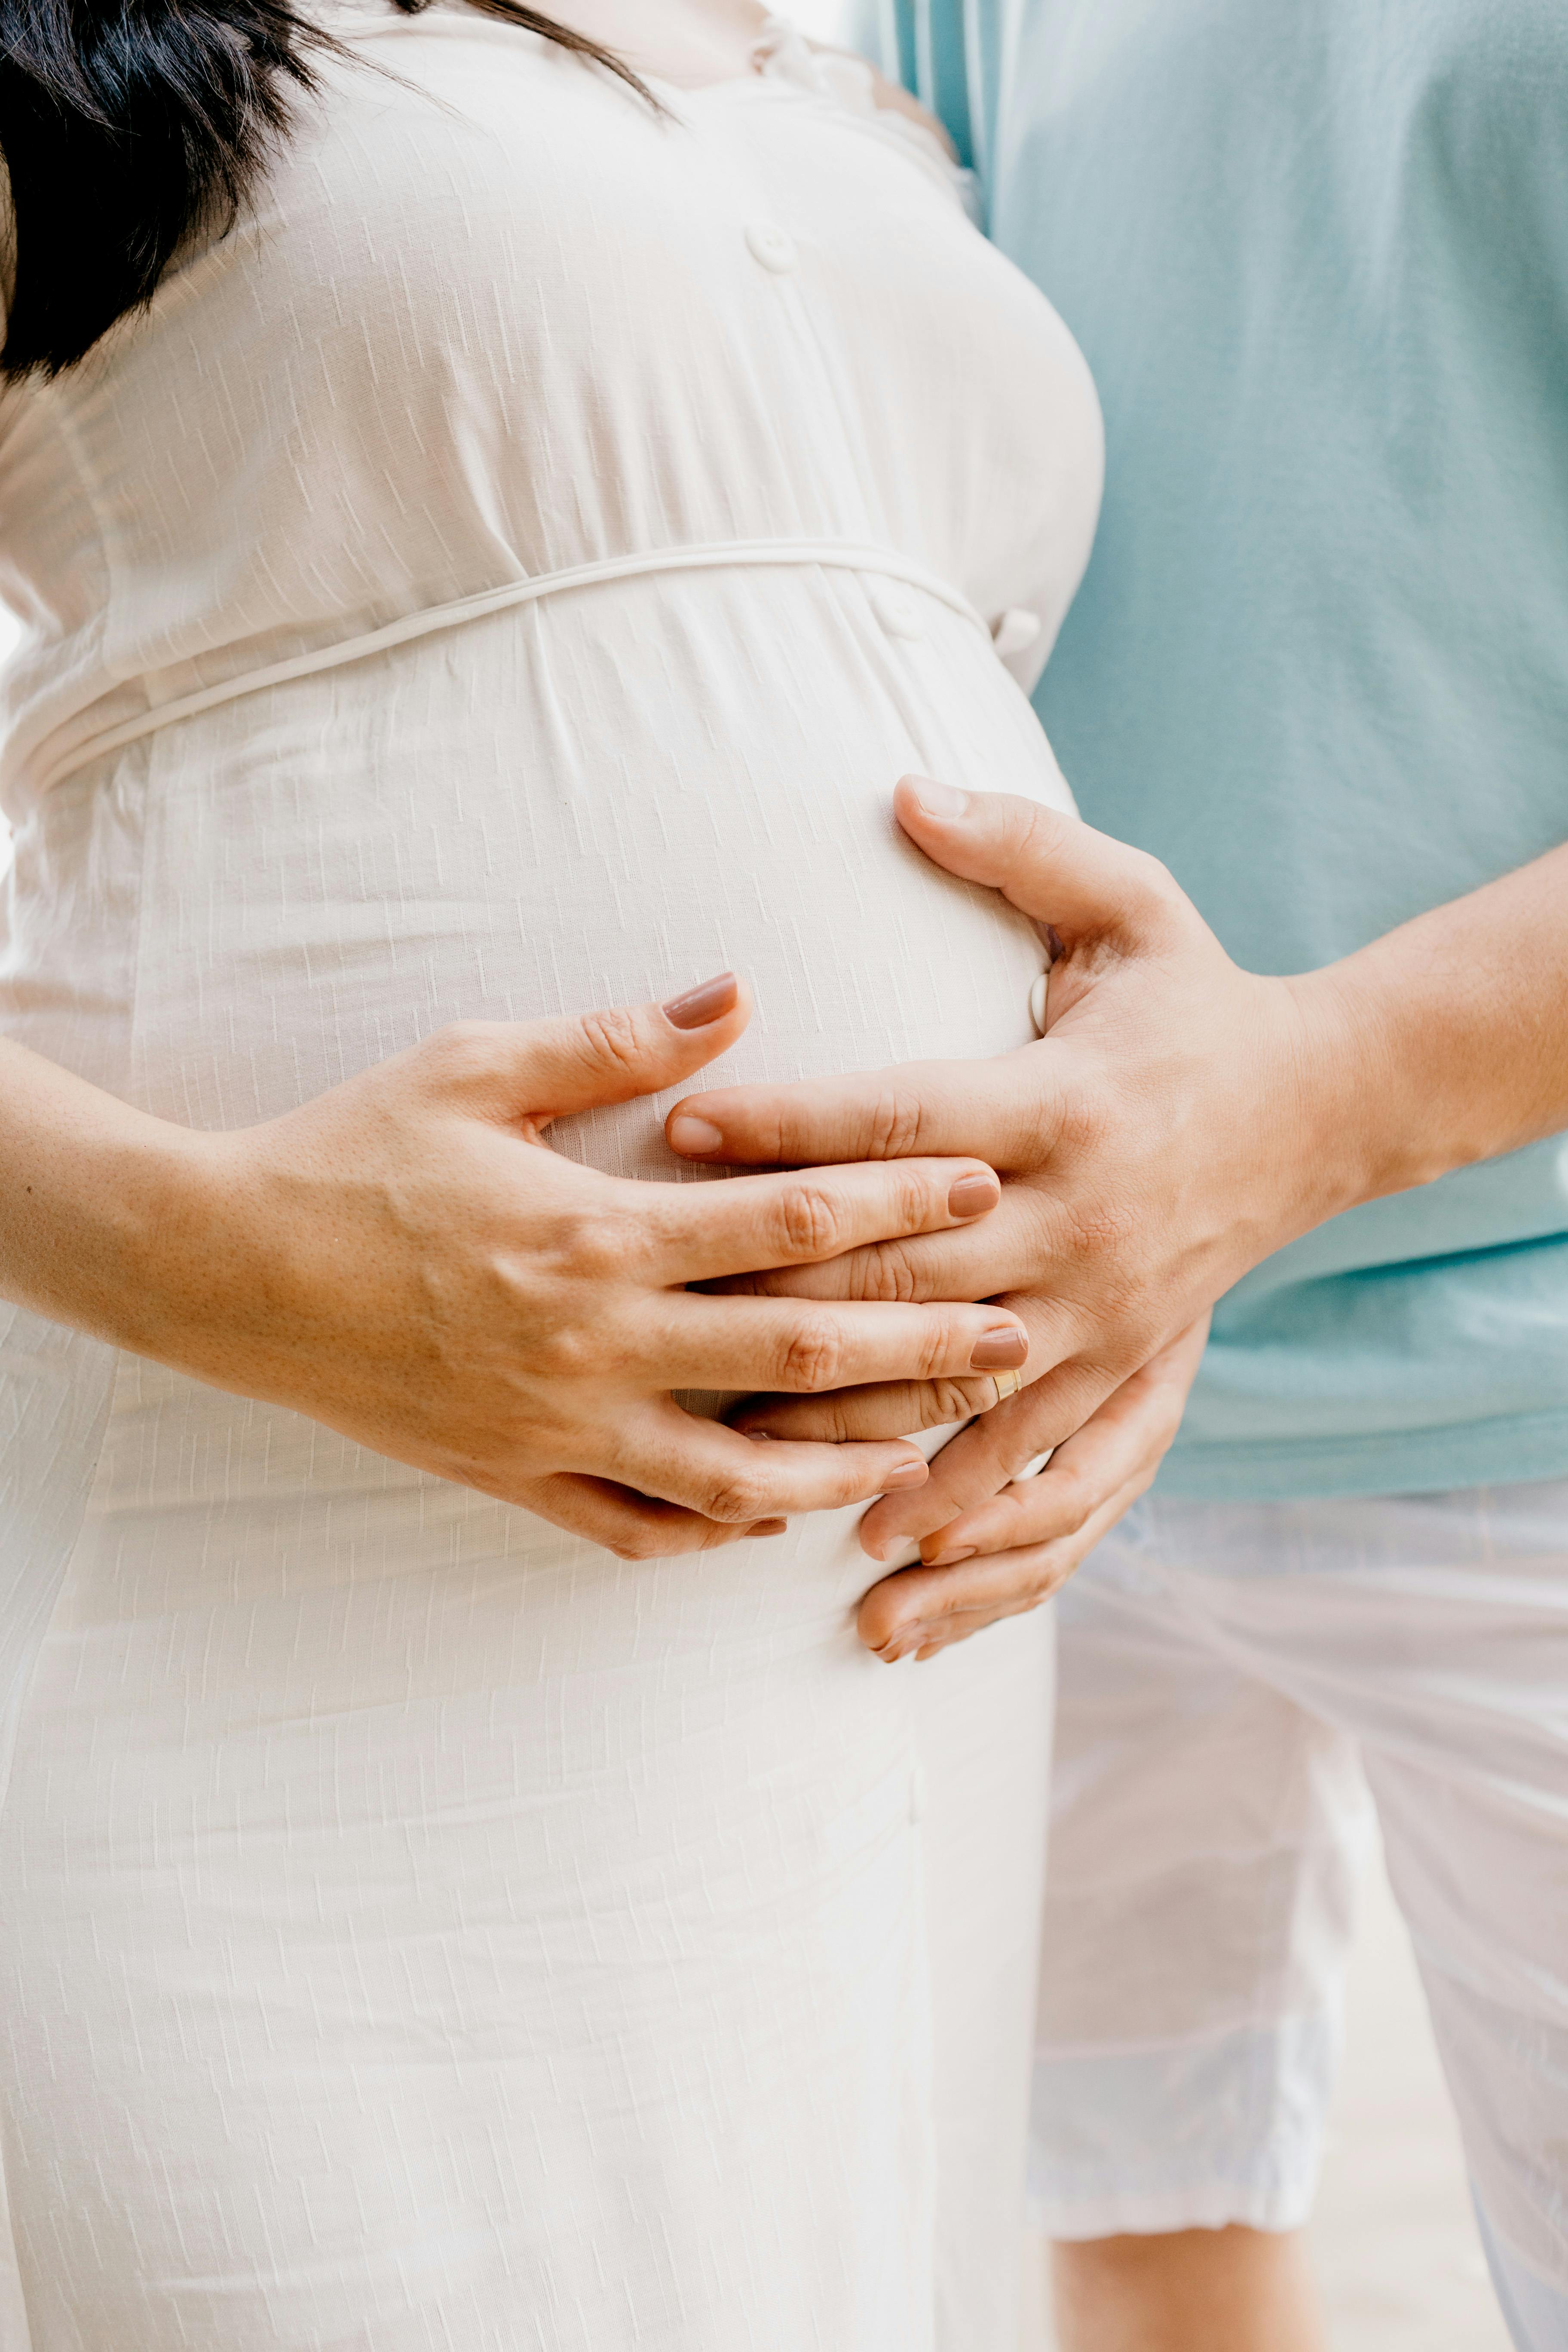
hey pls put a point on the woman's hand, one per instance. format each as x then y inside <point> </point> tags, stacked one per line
<point>407,1260</point>
<point>1011,1545</point>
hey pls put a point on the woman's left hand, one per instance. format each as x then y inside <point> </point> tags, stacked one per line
<point>1013,1542</point>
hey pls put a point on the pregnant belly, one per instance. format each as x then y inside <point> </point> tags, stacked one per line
<point>432,1845</point>
<point>597,800</point>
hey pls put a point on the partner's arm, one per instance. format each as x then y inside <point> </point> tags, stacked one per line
<point>1183,1118</point>
<point>406,1260</point>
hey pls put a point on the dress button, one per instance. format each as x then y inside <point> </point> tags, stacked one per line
<point>1015,631</point>
<point>899,610</point>
<point>772,246</point>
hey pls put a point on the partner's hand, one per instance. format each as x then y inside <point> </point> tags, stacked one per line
<point>1182,1119</point>
<point>405,1259</point>
<point>1011,1545</point>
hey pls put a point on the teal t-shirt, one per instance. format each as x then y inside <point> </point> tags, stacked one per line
<point>1316,253</point>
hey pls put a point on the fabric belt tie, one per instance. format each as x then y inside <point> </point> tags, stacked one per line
<point>833,554</point>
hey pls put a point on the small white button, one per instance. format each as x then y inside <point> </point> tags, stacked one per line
<point>899,610</point>
<point>1015,631</point>
<point>772,246</point>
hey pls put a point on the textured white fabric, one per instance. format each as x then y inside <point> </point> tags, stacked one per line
<point>1223,1736</point>
<point>418,1929</point>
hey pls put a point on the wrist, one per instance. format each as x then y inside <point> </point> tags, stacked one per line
<point>1367,1134</point>
<point>103,1211</point>
<point>174,1192</point>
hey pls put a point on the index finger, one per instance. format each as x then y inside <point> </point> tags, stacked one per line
<point>703,1232</point>
<point>1000,1109</point>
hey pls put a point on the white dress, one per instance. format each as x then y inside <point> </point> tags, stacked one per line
<point>507,574</point>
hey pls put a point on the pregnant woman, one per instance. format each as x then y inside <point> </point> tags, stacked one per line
<point>491,529</point>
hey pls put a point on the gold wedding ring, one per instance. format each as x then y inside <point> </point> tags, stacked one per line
<point>1006,1384</point>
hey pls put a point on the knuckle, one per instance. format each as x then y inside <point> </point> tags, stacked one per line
<point>594,1246</point>
<point>612,1038</point>
<point>1037,832</point>
<point>735,1497</point>
<point>1152,880</point>
<point>939,1342</point>
<point>1016,1449</point>
<point>895,1124</point>
<point>810,1222</point>
<point>812,1356</point>
<point>947,1401</point>
<point>1081,1120</point>
<point>568,1353</point>
<point>459,1052</point>
<point>1073,1499</point>
<point>1098,1230</point>
<point>884,1276</point>
<point>914,1198</point>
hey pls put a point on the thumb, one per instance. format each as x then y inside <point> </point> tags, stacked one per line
<point>1051,865</point>
<point>587,1058</point>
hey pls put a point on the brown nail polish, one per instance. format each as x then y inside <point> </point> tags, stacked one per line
<point>999,1350</point>
<point>973,1195</point>
<point>908,1473</point>
<point>702,1003</point>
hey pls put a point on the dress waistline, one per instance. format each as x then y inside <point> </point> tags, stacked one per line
<point>837,554</point>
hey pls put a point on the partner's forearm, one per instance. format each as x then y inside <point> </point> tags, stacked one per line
<point>86,1185</point>
<point>1453,1031</point>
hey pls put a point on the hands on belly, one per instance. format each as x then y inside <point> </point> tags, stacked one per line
<point>1156,1146</point>
<point>405,1259</point>
<point>483,1307</point>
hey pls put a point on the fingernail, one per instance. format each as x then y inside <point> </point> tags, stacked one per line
<point>703,1003</point>
<point>999,1350</point>
<point>908,1473</point>
<point>973,1195</point>
<point>950,1558</point>
<point>770,1526</point>
<point>694,1135</point>
<point>939,800</point>
<point>758,1437</point>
